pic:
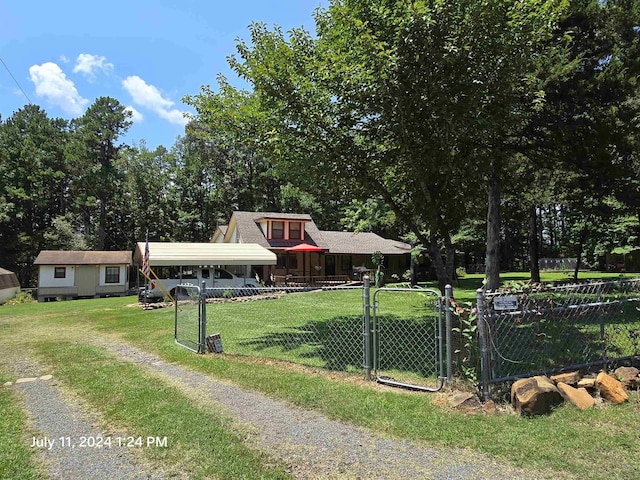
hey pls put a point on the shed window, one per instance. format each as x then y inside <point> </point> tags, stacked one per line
<point>112,275</point>
<point>60,272</point>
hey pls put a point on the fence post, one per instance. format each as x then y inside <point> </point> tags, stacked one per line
<point>366,320</point>
<point>203,318</point>
<point>448,294</point>
<point>484,345</point>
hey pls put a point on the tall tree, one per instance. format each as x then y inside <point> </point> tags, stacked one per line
<point>401,100</point>
<point>34,186</point>
<point>94,151</point>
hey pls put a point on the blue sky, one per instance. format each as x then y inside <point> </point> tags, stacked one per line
<point>147,54</point>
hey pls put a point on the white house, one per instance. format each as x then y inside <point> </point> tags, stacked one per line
<point>82,274</point>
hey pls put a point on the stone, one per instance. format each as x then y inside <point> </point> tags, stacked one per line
<point>489,407</point>
<point>576,396</point>
<point>25,380</point>
<point>588,383</point>
<point>628,376</point>
<point>535,396</point>
<point>46,377</point>
<point>611,389</point>
<point>570,378</point>
<point>465,401</point>
<point>7,384</point>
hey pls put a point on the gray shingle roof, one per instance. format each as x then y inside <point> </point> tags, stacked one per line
<point>365,243</point>
<point>61,257</point>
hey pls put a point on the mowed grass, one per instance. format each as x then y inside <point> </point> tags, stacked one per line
<point>567,442</point>
<point>200,442</point>
<point>16,458</point>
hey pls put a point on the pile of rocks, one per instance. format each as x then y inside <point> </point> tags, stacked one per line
<point>538,395</point>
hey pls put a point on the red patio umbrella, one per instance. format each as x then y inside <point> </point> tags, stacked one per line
<point>303,247</point>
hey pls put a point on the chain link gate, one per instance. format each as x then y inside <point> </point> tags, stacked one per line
<point>190,318</point>
<point>407,337</point>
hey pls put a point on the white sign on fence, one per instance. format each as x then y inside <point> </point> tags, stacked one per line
<point>505,303</point>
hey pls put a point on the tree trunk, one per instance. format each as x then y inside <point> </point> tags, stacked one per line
<point>492,261</point>
<point>534,254</point>
<point>440,266</point>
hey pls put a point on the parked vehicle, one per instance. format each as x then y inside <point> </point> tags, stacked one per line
<point>214,278</point>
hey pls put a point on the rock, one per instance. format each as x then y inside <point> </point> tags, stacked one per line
<point>46,377</point>
<point>465,401</point>
<point>25,380</point>
<point>535,396</point>
<point>577,396</point>
<point>611,389</point>
<point>570,378</point>
<point>489,407</point>
<point>628,376</point>
<point>588,383</point>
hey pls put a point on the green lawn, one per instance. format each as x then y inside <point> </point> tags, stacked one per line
<point>568,441</point>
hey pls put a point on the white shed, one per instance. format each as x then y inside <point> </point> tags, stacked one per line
<point>76,274</point>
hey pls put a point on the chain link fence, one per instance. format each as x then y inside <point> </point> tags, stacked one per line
<point>330,328</point>
<point>542,330</point>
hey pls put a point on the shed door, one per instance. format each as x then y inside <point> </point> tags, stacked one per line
<point>87,279</point>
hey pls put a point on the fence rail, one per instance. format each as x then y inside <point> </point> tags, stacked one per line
<point>550,329</point>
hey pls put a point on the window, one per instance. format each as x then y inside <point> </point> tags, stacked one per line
<point>223,275</point>
<point>295,230</point>
<point>277,230</point>
<point>282,261</point>
<point>60,272</point>
<point>112,275</point>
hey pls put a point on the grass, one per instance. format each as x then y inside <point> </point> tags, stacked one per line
<point>567,441</point>
<point>200,443</point>
<point>16,459</point>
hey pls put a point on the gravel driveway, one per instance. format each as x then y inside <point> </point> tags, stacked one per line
<point>308,443</point>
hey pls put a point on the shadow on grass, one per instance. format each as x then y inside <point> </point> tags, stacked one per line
<point>338,344</point>
<point>533,343</point>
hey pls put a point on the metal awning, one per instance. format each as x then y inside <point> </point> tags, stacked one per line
<point>194,254</point>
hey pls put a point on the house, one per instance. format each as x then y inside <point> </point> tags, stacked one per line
<point>9,285</point>
<point>308,254</point>
<point>76,274</point>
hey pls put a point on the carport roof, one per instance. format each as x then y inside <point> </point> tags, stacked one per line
<point>193,254</point>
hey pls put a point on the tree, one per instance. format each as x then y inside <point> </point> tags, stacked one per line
<point>94,151</point>
<point>405,97</point>
<point>34,186</point>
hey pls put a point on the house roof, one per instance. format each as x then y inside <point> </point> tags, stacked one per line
<point>365,243</point>
<point>346,243</point>
<point>62,257</point>
<point>249,231</point>
<point>193,254</point>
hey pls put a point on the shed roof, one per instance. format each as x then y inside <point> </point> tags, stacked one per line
<point>166,253</point>
<point>74,257</point>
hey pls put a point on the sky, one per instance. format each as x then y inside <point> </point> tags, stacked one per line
<point>147,54</point>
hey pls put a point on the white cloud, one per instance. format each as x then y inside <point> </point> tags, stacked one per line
<point>64,58</point>
<point>88,64</point>
<point>53,84</point>
<point>150,97</point>
<point>136,116</point>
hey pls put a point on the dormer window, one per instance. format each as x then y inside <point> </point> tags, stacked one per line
<point>295,230</point>
<point>277,230</point>
<point>283,229</point>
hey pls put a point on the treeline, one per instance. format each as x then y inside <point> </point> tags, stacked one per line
<point>73,185</point>
<point>483,132</point>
